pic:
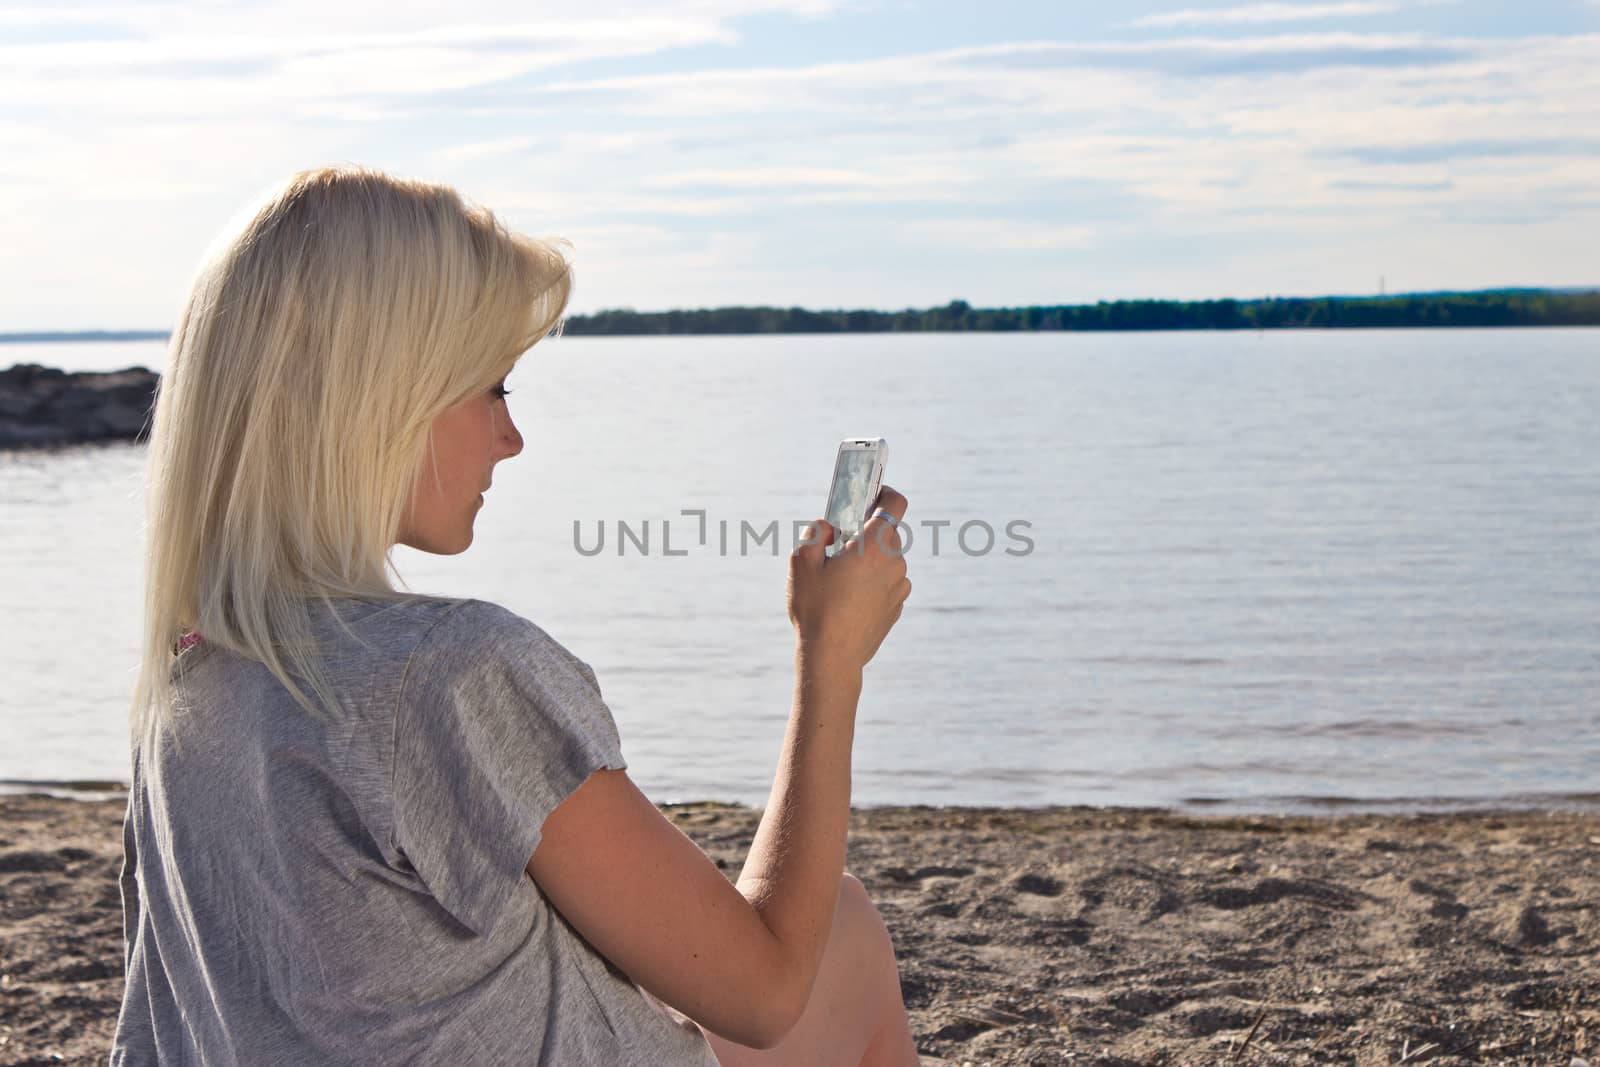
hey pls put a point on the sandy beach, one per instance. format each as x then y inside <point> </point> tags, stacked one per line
<point>1079,936</point>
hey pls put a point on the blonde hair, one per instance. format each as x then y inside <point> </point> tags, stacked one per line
<point>325,329</point>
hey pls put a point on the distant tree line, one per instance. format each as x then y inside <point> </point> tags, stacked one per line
<point>1497,307</point>
<point>1515,307</point>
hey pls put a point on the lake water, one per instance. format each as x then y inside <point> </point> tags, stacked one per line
<point>1267,571</point>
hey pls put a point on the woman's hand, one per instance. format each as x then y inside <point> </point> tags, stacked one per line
<point>843,606</point>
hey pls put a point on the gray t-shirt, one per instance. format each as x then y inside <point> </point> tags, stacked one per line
<point>302,893</point>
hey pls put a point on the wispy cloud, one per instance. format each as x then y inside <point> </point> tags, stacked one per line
<point>981,235</point>
<point>235,71</point>
<point>928,76</point>
<point>1508,148</point>
<point>1252,14</point>
<point>1359,185</point>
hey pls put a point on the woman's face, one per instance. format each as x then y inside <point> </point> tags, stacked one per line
<point>468,440</point>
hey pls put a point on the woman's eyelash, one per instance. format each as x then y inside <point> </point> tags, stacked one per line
<point>500,392</point>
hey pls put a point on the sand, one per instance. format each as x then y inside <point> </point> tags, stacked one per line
<point>1060,936</point>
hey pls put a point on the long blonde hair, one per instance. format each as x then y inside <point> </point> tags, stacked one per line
<point>325,328</point>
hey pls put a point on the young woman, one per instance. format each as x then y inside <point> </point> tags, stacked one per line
<point>373,827</point>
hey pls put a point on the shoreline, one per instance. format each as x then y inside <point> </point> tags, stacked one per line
<point>1311,807</point>
<point>1050,935</point>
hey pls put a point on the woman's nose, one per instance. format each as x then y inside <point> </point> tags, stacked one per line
<point>510,439</point>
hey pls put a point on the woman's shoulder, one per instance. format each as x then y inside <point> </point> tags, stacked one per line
<point>425,617</point>
<point>477,643</point>
<point>458,618</point>
<point>467,629</point>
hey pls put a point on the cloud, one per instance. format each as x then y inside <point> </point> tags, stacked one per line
<point>1450,150</point>
<point>289,18</point>
<point>1254,14</point>
<point>1229,56</point>
<point>799,178</point>
<point>921,78</point>
<point>1357,185</point>
<point>386,63</point>
<point>481,150</point>
<point>999,235</point>
<point>356,60</point>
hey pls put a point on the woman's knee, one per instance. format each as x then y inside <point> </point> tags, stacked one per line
<point>850,886</point>
<point>858,913</point>
<point>853,897</point>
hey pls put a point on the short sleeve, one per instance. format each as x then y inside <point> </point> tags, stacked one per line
<point>497,724</point>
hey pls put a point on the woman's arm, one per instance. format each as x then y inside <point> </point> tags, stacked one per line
<point>741,960</point>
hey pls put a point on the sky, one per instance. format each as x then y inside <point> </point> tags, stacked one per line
<point>824,153</point>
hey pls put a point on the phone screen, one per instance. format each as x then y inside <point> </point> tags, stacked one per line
<point>847,500</point>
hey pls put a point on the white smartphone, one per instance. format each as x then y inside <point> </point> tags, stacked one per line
<point>857,475</point>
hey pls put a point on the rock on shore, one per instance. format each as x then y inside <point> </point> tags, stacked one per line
<point>42,407</point>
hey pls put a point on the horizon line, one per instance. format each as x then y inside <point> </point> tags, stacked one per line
<point>135,334</point>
